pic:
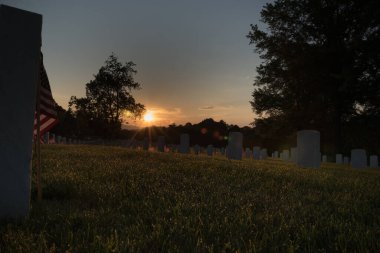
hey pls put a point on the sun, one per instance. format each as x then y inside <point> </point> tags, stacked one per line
<point>148,117</point>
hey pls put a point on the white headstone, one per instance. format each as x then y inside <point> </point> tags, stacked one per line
<point>256,153</point>
<point>358,158</point>
<point>346,160</point>
<point>210,150</point>
<point>285,155</point>
<point>146,144</point>
<point>46,138</point>
<point>196,149</point>
<point>338,158</point>
<point>184,147</point>
<point>248,153</point>
<point>20,44</point>
<point>161,144</point>
<point>293,154</point>
<point>275,154</point>
<point>308,149</point>
<point>235,145</point>
<point>324,158</point>
<point>374,161</point>
<point>263,153</point>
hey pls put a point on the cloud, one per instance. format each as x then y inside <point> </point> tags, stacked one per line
<point>206,107</point>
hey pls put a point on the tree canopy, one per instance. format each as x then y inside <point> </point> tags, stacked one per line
<point>320,65</point>
<point>108,96</point>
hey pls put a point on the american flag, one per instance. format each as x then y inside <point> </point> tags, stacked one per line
<point>48,114</point>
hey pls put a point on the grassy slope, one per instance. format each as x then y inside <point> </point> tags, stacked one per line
<point>102,199</point>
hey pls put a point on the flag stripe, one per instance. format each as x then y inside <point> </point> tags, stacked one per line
<point>48,114</point>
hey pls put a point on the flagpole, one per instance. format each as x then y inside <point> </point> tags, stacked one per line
<point>38,141</point>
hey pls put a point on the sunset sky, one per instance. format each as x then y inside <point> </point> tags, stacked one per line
<point>193,58</point>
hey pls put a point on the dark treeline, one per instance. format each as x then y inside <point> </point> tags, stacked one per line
<point>274,135</point>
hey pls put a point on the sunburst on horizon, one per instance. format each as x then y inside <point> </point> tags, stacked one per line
<point>148,117</point>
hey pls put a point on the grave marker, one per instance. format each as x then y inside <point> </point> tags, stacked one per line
<point>235,146</point>
<point>374,162</point>
<point>20,44</point>
<point>308,149</point>
<point>161,144</point>
<point>338,158</point>
<point>210,150</point>
<point>184,144</point>
<point>358,158</point>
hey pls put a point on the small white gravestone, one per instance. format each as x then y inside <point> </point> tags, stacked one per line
<point>338,158</point>
<point>308,149</point>
<point>146,144</point>
<point>256,153</point>
<point>235,146</point>
<point>275,154</point>
<point>184,146</point>
<point>293,154</point>
<point>346,160</point>
<point>374,161</point>
<point>285,155</point>
<point>196,149</point>
<point>324,158</point>
<point>358,158</point>
<point>248,153</point>
<point>210,150</point>
<point>20,44</point>
<point>46,138</point>
<point>161,144</point>
<point>263,153</point>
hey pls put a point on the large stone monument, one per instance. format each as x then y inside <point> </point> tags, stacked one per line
<point>20,40</point>
<point>161,144</point>
<point>184,146</point>
<point>308,149</point>
<point>358,159</point>
<point>235,146</point>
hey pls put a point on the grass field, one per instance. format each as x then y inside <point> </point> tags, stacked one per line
<point>104,199</point>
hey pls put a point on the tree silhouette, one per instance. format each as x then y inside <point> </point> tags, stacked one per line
<point>320,63</point>
<point>108,96</point>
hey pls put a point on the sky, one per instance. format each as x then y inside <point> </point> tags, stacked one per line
<point>193,58</point>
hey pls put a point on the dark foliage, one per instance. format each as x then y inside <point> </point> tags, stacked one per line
<point>320,70</point>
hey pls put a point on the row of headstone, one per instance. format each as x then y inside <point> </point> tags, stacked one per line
<point>306,154</point>
<point>358,159</point>
<point>57,139</point>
